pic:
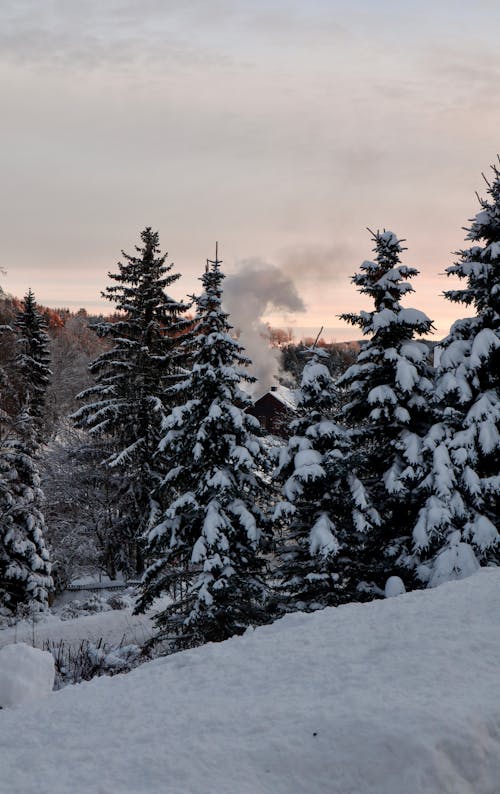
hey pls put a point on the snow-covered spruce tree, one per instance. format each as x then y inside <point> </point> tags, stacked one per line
<point>24,561</point>
<point>457,527</point>
<point>207,545</point>
<point>324,514</point>
<point>126,405</point>
<point>32,362</point>
<point>389,388</point>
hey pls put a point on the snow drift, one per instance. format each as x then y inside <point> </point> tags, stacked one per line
<point>401,695</point>
<point>25,674</point>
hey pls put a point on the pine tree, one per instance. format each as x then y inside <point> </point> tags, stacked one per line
<point>456,527</point>
<point>25,579</point>
<point>207,545</point>
<point>127,403</point>
<point>388,410</point>
<point>324,503</point>
<point>32,362</point>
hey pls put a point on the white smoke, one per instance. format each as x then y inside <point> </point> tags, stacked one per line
<point>255,289</point>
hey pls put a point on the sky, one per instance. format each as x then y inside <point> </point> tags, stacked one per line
<point>282,129</point>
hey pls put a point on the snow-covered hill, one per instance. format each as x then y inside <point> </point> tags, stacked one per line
<point>393,697</point>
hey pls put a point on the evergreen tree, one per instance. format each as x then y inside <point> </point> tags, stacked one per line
<point>462,483</point>
<point>126,405</point>
<point>24,561</point>
<point>25,579</point>
<point>32,362</point>
<point>389,388</point>
<point>324,513</point>
<point>207,544</point>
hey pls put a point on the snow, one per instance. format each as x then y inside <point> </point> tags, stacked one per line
<point>493,250</point>
<point>25,674</point>
<point>115,626</point>
<point>484,342</point>
<point>407,375</point>
<point>307,466</point>
<point>412,317</point>
<point>322,540</point>
<point>394,587</point>
<point>286,396</point>
<point>399,695</point>
<point>382,394</point>
<point>457,561</point>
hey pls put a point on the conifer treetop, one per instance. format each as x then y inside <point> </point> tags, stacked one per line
<point>33,357</point>
<point>480,264</point>
<point>212,342</point>
<point>141,283</point>
<point>385,280</point>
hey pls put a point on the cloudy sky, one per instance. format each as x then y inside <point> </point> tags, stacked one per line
<point>281,128</point>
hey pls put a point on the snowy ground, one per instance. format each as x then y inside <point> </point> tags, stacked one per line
<point>114,626</point>
<point>394,697</point>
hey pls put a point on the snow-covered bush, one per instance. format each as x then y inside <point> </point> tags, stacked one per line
<point>93,605</point>
<point>91,659</point>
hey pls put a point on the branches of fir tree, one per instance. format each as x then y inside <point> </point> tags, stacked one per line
<point>129,399</point>
<point>207,543</point>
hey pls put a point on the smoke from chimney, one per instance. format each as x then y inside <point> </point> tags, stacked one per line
<point>255,289</point>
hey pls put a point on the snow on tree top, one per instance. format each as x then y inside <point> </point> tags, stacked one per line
<point>389,238</point>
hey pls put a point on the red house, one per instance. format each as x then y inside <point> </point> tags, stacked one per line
<point>275,410</point>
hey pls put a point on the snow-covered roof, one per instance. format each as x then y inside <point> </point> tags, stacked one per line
<point>284,395</point>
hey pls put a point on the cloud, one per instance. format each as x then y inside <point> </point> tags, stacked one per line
<point>473,73</point>
<point>315,262</point>
<point>161,32</point>
<point>96,34</point>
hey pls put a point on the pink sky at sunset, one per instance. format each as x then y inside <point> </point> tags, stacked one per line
<point>279,128</point>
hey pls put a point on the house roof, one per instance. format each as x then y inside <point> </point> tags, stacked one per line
<point>283,395</point>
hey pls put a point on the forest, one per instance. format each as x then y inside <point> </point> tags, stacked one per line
<point>127,446</point>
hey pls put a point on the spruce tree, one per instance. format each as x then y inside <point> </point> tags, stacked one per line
<point>126,405</point>
<point>25,579</point>
<point>389,388</point>
<point>32,361</point>
<point>207,544</point>
<point>457,526</point>
<point>324,514</point>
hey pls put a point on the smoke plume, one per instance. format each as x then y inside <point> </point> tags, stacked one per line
<point>255,289</point>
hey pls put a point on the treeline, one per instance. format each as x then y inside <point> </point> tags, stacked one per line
<point>389,479</point>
